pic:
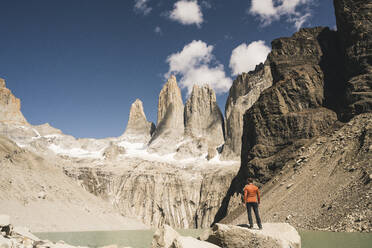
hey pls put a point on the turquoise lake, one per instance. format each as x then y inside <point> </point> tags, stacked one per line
<point>142,238</point>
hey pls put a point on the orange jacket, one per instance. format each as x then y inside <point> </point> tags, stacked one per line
<point>250,193</point>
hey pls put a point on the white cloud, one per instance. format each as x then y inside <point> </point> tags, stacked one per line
<point>195,64</point>
<point>272,10</point>
<point>187,13</point>
<point>299,21</point>
<point>245,57</point>
<point>141,6</point>
<point>158,30</point>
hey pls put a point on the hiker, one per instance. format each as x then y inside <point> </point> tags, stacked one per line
<point>252,200</point>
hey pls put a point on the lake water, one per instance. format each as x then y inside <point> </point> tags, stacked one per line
<point>143,238</point>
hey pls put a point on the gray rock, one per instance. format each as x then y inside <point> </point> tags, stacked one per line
<point>273,235</point>
<point>188,242</point>
<point>354,26</point>
<point>203,117</point>
<point>24,232</point>
<point>164,237</point>
<point>138,128</point>
<point>170,125</point>
<point>245,91</point>
<point>5,243</point>
<point>167,237</point>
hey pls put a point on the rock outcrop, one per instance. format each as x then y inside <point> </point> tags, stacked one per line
<point>10,107</point>
<point>167,237</point>
<point>170,125</point>
<point>279,235</point>
<point>138,128</point>
<point>354,26</point>
<point>244,92</point>
<point>203,117</point>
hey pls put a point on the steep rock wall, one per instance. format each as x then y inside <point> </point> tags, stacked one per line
<point>159,193</point>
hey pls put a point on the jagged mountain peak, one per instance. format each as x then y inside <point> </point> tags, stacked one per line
<point>2,83</point>
<point>138,128</point>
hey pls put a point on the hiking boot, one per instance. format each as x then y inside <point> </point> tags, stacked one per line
<point>260,227</point>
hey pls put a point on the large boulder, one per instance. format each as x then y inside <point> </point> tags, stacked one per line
<point>273,235</point>
<point>244,92</point>
<point>354,26</point>
<point>166,237</point>
<point>170,125</point>
<point>10,107</point>
<point>138,128</point>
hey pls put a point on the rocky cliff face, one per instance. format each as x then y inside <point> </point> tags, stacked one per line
<point>170,125</point>
<point>307,98</point>
<point>138,128</point>
<point>325,186</point>
<point>354,25</point>
<point>159,193</point>
<point>10,110</point>
<point>244,92</point>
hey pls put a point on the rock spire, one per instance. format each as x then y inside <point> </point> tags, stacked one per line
<point>170,124</point>
<point>138,128</point>
<point>203,117</point>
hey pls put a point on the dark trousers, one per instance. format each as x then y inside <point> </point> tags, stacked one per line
<point>253,205</point>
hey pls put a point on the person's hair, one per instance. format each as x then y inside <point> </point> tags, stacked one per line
<point>249,180</point>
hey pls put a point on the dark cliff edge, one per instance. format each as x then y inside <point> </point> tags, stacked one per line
<point>321,80</point>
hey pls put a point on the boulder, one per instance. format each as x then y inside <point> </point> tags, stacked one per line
<point>164,237</point>
<point>25,233</point>
<point>273,235</point>
<point>5,243</point>
<point>138,128</point>
<point>203,117</point>
<point>188,242</point>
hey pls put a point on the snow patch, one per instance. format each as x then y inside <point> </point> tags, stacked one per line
<point>76,152</point>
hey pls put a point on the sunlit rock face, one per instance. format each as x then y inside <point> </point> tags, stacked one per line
<point>138,128</point>
<point>170,125</point>
<point>245,91</point>
<point>10,106</point>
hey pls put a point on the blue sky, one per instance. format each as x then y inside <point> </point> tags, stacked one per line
<point>79,64</point>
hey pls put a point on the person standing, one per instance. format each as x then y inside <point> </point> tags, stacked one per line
<point>252,200</point>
